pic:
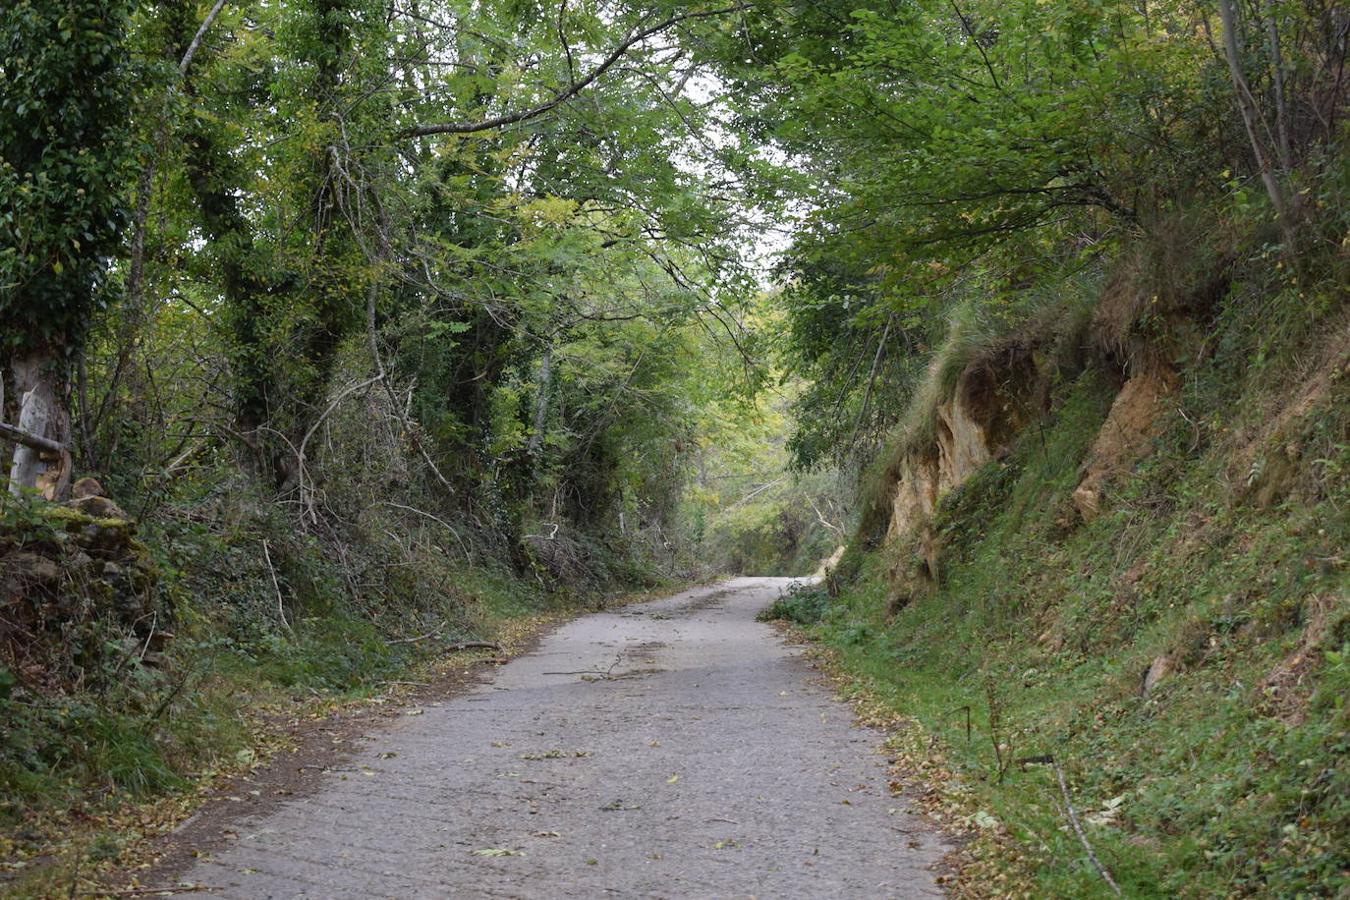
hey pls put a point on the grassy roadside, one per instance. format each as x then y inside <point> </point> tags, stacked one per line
<point>986,860</point>
<point>104,849</point>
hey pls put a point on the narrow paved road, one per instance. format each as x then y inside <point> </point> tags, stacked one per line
<point>673,749</point>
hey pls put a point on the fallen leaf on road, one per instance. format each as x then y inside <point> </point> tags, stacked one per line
<point>674,778</point>
<point>557,754</point>
<point>498,851</point>
<point>615,805</point>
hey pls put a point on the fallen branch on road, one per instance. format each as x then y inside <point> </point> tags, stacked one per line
<point>148,891</point>
<point>476,645</point>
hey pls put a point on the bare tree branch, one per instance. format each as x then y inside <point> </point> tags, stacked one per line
<point>197,38</point>
<point>28,439</point>
<point>576,87</point>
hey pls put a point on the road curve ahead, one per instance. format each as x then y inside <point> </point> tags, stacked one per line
<point>670,749</point>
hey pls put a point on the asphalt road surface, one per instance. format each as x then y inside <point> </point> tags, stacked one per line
<point>676,748</point>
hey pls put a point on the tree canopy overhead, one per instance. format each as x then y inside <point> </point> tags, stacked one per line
<point>526,224</point>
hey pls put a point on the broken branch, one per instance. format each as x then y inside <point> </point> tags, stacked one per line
<point>28,439</point>
<point>1078,830</point>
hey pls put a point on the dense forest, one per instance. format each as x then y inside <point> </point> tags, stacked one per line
<point>336,332</point>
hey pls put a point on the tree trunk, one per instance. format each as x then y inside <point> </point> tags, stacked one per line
<point>536,442</point>
<point>42,412</point>
<point>1254,122</point>
<point>1277,87</point>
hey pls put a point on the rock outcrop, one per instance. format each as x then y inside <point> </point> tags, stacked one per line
<point>1125,437</point>
<point>976,424</point>
<point>989,404</point>
<point>998,395</point>
<point>73,577</point>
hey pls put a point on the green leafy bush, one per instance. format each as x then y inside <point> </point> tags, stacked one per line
<point>801,604</point>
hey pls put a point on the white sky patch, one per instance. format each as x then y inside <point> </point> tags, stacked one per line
<point>768,235</point>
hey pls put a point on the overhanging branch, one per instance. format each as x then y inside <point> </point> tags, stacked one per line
<point>576,87</point>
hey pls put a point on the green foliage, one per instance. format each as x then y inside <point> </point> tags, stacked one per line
<point>743,511</point>
<point>801,605</point>
<point>544,294</point>
<point>24,520</point>
<point>946,151</point>
<point>64,98</point>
